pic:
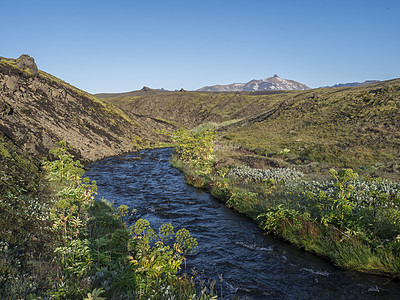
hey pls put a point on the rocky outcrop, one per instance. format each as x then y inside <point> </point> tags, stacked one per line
<point>36,110</point>
<point>25,62</point>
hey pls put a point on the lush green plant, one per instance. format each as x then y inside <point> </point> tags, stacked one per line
<point>74,194</point>
<point>341,204</point>
<point>95,295</point>
<point>97,250</point>
<point>195,148</point>
<point>243,201</point>
<point>270,220</point>
<point>283,152</point>
<point>26,235</point>
<point>75,263</point>
<point>156,262</point>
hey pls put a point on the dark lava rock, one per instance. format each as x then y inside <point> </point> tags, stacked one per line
<point>27,62</point>
<point>146,89</point>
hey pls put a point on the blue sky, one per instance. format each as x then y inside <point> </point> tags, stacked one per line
<point>116,46</point>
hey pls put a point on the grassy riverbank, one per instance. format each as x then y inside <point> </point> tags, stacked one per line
<point>352,221</point>
<point>58,243</point>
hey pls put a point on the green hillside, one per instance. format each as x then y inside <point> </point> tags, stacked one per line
<point>343,127</point>
<point>350,126</point>
<point>191,109</point>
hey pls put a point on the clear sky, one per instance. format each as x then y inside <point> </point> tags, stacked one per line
<point>116,46</point>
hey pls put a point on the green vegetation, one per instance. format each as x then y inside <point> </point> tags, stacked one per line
<point>26,228</point>
<point>355,222</point>
<point>214,125</point>
<point>195,149</point>
<point>72,247</point>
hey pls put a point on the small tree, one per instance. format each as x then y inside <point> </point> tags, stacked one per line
<point>343,181</point>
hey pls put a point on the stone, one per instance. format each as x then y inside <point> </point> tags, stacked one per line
<point>27,62</point>
<point>6,109</point>
<point>12,83</point>
<point>47,141</point>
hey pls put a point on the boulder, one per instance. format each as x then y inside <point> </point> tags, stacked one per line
<point>27,62</point>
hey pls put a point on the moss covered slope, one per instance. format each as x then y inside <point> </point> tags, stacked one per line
<point>38,109</point>
<point>340,126</point>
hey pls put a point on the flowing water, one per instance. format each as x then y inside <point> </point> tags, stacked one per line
<point>251,264</point>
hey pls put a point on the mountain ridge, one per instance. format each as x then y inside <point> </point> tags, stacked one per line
<point>351,84</point>
<point>270,83</point>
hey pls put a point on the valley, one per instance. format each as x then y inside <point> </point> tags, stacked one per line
<point>225,143</point>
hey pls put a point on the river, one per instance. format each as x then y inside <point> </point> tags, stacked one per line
<point>251,264</point>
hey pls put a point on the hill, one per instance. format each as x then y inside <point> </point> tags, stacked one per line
<point>143,92</point>
<point>191,109</point>
<point>38,109</point>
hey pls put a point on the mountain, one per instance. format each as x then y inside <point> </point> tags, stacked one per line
<point>350,84</point>
<point>270,83</point>
<point>38,109</point>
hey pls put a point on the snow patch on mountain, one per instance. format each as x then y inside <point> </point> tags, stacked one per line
<point>270,83</point>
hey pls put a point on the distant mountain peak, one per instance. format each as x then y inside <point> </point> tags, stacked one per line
<point>145,89</point>
<point>350,84</point>
<point>271,83</point>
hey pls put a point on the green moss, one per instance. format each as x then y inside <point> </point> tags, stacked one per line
<point>8,62</point>
<point>13,63</point>
<point>4,151</point>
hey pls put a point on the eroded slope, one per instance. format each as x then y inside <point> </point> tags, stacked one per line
<point>37,109</point>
